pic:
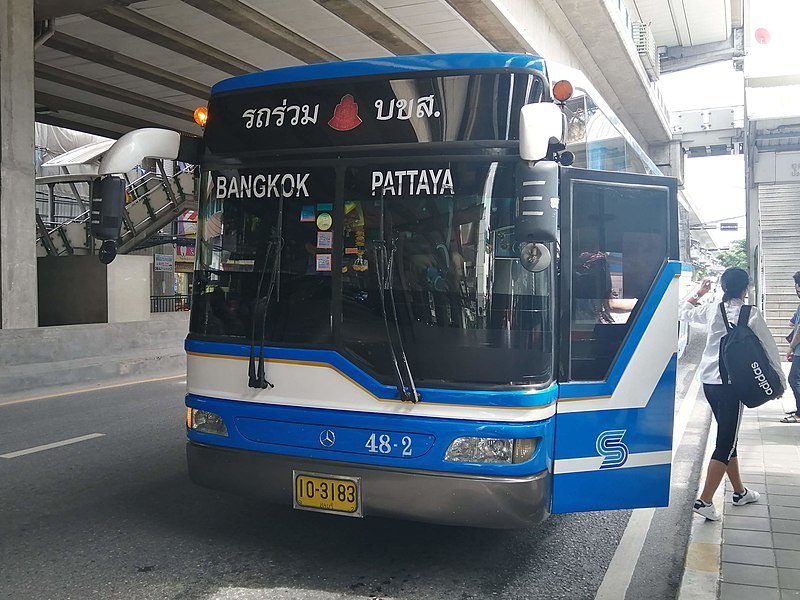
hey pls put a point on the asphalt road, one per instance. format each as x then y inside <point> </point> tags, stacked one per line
<point>115,516</point>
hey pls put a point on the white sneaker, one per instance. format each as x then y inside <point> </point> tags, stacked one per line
<point>746,498</point>
<point>709,511</point>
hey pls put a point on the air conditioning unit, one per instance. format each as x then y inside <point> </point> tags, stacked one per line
<point>646,48</point>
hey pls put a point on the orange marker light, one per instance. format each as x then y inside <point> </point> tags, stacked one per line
<point>201,115</point>
<point>562,90</point>
<point>188,417</point>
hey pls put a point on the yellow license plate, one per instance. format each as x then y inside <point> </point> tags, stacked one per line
<point>327,493</point>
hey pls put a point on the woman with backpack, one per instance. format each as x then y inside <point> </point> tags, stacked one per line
<point>726,407</point>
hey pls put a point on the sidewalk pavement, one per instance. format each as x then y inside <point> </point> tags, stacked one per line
<point>754,552</point>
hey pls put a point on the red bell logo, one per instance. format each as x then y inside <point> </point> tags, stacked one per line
<point>345,115</point>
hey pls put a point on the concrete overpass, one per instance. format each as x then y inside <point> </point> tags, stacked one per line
<point>107,67</point>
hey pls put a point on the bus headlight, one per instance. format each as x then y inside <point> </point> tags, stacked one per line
<point>491,450</point>
<point>205,422</point>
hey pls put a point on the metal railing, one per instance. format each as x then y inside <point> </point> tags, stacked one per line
<point>160,304</point>
<point>139,190</point>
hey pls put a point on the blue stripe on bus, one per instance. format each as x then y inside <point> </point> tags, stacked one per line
<point>647,429</point>
<point>524,397</point>
<point>606,388</point>
<point>441,431</point>
<point>381,66</point>
<point>611,489</point>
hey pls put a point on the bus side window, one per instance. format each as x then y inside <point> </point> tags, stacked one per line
<point>618,245</point>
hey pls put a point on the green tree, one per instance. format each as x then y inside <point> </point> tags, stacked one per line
<point>735,256</point>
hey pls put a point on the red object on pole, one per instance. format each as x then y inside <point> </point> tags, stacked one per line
<point>762,35</point>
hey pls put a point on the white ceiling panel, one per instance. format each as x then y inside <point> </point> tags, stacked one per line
<point>134,47</point>
<point>436,24</point>
<point>116,78</point>
<point>320,26</point>
<point>202,26</point>
<point>77,95</point>
<point>684,22</point>
<point>709,21</point>
<point>658,13</point>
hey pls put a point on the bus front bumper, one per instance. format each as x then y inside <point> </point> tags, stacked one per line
<point>434,497</point>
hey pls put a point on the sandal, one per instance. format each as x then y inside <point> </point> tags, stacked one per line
<point>793,418</point>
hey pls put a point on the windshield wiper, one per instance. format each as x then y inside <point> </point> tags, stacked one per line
<point>384,273</point>
<point>409,393</point>
<point>256,375</point>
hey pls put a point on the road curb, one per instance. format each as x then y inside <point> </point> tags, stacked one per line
<point>701,573</point>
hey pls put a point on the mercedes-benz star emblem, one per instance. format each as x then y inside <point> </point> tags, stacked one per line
<point>327,438</point>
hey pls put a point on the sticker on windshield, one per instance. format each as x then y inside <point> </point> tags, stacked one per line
<point>324,221</point>
<point>325,240</point>
<point>307,214</point>
<point>324,206</point>
<point>324,262</point>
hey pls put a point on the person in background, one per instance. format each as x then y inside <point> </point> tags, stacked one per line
<point>793,416</point>
<point>727,410</point>
<point>595,300</point>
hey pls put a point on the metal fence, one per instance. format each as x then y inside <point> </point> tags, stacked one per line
<point>160,304</point>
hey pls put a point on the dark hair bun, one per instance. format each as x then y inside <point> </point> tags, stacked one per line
<point>734,282</point>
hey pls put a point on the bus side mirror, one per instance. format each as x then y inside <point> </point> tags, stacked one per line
<point>540,124</point>
<point>108,206</point>
<point>537,202</point>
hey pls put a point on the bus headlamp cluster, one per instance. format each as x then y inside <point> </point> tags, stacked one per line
<point>491,450</point>
<point>205,422</point>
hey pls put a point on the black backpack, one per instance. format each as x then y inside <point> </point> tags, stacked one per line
<point>743,363</point>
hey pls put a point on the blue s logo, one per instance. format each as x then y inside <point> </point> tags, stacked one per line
<point>609,445</point>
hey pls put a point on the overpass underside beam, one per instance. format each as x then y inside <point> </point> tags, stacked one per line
<point>678,58</point>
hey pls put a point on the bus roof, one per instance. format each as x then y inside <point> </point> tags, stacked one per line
<point>384,65</point>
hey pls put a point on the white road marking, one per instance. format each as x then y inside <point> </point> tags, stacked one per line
<point>89,389</point>
<point>620,571</point>
<point>74,440</point>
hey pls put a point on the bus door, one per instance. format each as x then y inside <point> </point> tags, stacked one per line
<point>618,341</point>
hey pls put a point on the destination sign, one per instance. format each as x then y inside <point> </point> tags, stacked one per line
<point>483,106</point>
<point>413,182</point>
<point>263,185</point>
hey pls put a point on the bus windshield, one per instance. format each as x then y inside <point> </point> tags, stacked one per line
<point>468,313</point>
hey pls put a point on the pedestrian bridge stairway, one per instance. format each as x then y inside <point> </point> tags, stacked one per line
<point>152,202</point>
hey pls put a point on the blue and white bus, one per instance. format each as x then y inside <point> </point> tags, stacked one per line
<point>406,305</point>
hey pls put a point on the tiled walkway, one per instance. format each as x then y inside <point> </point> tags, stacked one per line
<point>761,542</point>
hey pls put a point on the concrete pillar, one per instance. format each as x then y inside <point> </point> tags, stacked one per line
<point>17,206</point>
<point>669,158</point>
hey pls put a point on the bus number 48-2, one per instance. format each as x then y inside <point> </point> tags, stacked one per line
<point>382,444</point>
